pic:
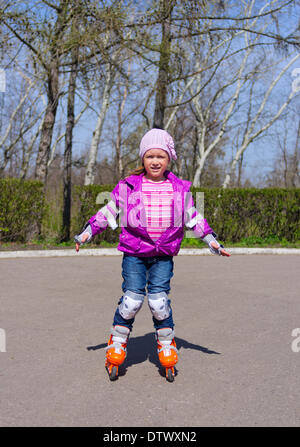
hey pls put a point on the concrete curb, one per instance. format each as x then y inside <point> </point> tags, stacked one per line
<point>115,252</point>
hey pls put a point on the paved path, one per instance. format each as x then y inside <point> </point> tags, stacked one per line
<point>234,321</point>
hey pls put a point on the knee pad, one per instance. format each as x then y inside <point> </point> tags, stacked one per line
<point>131,304</point>
<point>159,305</point>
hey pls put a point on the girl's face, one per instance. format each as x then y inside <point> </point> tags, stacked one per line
<point>156,162</point>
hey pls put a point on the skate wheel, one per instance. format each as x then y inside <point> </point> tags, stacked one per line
<point>113,373</point>
<point>169,375</point>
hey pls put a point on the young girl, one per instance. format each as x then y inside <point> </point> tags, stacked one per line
<point>153,205</point>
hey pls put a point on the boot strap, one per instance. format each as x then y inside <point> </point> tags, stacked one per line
<point>167,347</point>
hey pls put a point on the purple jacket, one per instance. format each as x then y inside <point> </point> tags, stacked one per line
<point>127,204</point>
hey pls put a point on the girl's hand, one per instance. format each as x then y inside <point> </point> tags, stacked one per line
<point>84,238</point>
<point>222,251</point>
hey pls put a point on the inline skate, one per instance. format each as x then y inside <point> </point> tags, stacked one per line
<point>116,350</point>
<point>167,351</point>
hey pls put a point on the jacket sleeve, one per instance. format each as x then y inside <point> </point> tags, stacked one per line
<point>107,215</point>
<point>192,217</point>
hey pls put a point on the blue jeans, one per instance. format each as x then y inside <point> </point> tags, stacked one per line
<point>155,272</point>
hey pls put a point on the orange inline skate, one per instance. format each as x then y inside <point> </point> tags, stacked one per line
<point>167,351</point>
<point>116,350</point>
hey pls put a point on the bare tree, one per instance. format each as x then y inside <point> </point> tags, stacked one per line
<point>121,105</point>
<point>86,104</point>
<point>112,67</point>
<point>48,42</point>
<point>67,177</point>
<point>28,151</point>
<point>220,79</point>
<point>255,127</point>
<point>22,117</point>
<point>165,13</point>
<point>92,155</point>
<point>285,172</point>
<point>45,42</point>
<point>182,21</point>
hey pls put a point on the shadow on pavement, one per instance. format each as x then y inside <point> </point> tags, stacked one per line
<point>143,348</point>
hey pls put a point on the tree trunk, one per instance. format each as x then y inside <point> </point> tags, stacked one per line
<point>199,171</point>
<point>295,164</point>
<point>67,177</point>
<point>201,153</point>
<point>28,152</point>
<point>41,169</point>
<point>119,164</point>
<point>119,161</point>
<point>163,71</point>
<point>91,165</point>
<point>240,168</point>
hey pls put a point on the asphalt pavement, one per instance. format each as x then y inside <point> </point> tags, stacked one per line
<point>235,324</point>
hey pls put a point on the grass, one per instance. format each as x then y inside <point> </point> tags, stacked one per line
<point>253,241</point>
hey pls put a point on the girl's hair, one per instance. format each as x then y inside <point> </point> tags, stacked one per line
<point>137,171</point>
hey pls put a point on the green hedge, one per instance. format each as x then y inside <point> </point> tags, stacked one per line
<point>241,213</point>
<point>233,213</point>
<point>22,207</point>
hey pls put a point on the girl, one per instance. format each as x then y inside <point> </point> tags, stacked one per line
<point>153,205</point>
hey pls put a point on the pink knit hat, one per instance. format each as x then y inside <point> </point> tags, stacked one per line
<point>158,139</point>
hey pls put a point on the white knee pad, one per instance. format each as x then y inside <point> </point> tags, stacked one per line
<point>159,306</point>
<point>131,304</point>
